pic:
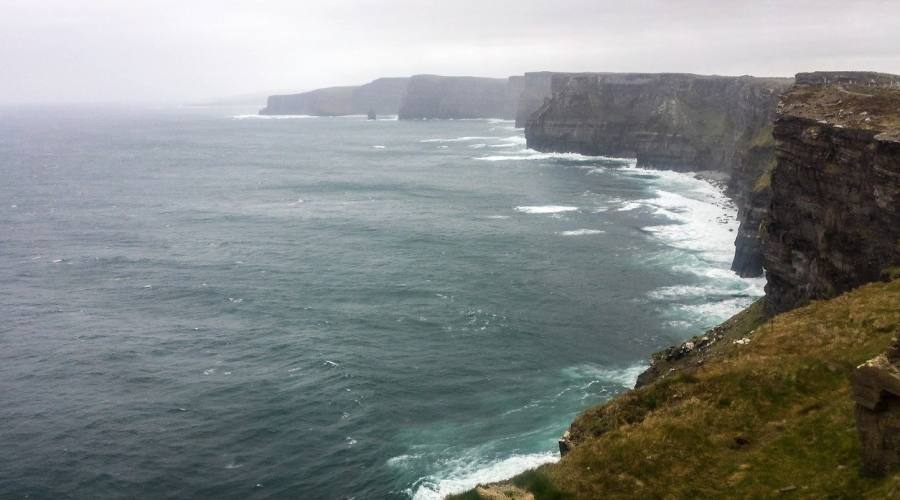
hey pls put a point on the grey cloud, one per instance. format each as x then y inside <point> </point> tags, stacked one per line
<point>177,51</point>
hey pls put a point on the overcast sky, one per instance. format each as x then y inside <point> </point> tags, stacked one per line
<point>188,50</point>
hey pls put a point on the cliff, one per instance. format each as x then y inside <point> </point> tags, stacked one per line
<point>536,88</point>
<point>382,96</point>
<point>676,121</point>
<point>456,97</point>
<point>798,394</point>
<point>834,220</point>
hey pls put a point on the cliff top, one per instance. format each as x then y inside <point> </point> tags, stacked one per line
<point>857,100</point>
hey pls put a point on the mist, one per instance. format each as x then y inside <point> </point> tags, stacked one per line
<point>166,51</point>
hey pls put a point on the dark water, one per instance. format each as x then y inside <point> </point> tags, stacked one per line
<point>195,305</point>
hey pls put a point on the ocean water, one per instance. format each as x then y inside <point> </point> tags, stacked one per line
<point>205,304</point>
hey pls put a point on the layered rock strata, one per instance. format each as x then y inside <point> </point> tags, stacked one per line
<point>834,219</point>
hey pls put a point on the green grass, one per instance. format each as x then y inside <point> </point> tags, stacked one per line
<point>770,418</point>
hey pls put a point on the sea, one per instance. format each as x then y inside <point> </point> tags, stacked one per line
<point>205,303</point>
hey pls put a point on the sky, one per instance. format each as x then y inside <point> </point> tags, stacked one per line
<point>168,51</point>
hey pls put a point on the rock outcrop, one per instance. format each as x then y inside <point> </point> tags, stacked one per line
<point>677,121</point>
<point>381,96</point>
<point>834,219</point>
<point>876,392</point>
<point>454,97</point>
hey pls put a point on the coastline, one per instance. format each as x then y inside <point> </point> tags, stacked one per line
<point>716,213</point>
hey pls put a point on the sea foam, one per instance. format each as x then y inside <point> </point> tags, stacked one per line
<point>272,117</point>
<point>546,209</point>
<point>581,232</point>
<point>530,154</point>
<point>468,472</point>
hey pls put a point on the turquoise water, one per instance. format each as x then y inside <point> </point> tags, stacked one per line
<point>202,305</point>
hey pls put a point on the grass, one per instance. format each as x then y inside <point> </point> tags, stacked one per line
<point>765,419</point>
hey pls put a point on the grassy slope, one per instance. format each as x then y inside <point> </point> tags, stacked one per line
<point>770,418</point>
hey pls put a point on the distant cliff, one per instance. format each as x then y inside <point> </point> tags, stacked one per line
<point>382,96</point>
<point>424,97</point>
<point>834,221</point>
<point>678,121</point>
<point>455,97</point>
<point>536,88</point>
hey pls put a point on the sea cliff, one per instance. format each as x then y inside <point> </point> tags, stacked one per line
<point>795,395</point>
<point>675,121</point>
<point>381,96</point>
<point>834,220</point>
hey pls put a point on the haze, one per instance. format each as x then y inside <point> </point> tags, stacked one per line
<point>171,51</point>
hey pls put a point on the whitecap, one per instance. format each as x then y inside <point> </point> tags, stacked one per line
<point>466,473</point>
<point>378,146</point>
<point>625,377</point>
<point>715,312</point>
<point>400,460</point>
<point>631,205</point>
<point>271,117</point>
<point>546,209</point>
<point>581,232</point>
<point>530,154</point>
<point>458,139</point>
<point>498,217</point>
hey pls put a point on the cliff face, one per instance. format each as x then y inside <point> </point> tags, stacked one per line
<point>536,89</point>
<point>455,97</point>
<point>382,96</point>
<point>834,220</point>
<point>678,121</point>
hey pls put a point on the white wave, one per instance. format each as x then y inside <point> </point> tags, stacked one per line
<point>546,209</point>
<point>459,139</point>
<point>626,377</point>
<point>465,474</point>
<point>684,291</point>
<point>581,232</point>
<point>530,154</point>
<point>727,284</point>
<point>704,221</point>
<point>271,117</point>
<point>513,140</point>
<point>498,217</point>
<point>631,205</point>
<point>477,146</point>
<point>715,312</point>
<point>378,147</point>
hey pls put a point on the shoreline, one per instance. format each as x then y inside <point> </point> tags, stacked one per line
<point>727,210</point>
